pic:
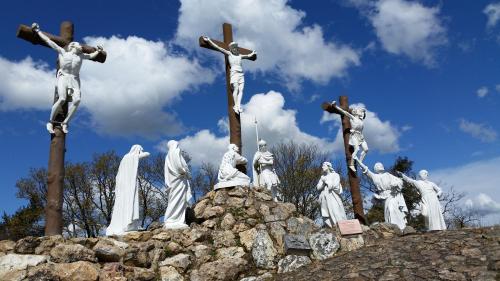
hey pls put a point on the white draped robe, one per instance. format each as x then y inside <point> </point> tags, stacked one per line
<point>332,208</point>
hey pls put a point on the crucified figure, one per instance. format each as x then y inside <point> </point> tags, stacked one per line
<point>237,79</point>
<point>356,138</point>
<point>68,76</point>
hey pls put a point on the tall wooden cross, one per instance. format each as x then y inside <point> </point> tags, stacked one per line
<point>234,119</point>
<point>357,200</point>
<point>53,210</point>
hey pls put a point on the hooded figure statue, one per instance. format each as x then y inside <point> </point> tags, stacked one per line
<point>179,188</point>
<point>125,215</point>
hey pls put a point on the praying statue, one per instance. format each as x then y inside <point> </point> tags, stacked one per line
<point>430,206</point>
<point>356,138</point>
<point>228,174</point>
<point>332,208</point>
<point>389,190</point>
<point>263,171</point>
<point>125,216</point>
<point>237,79</point>
<point>68,77</point>
<point>177,178</point>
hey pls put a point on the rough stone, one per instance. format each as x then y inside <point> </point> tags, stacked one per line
<point>201,253</point>
<point>27,245</point>
<point>409,230</point>
<point>137,236</point>
<point>77,271</point>
<point>247,237</point>
<point>278,233</point>
<point>200,207</point>
<point>301,226</point>
<point>163,236</point>
<point>107,251</point>
<point>71,253</point>
<point>226,269</point>
<point>348,244</point>
<point>112,272</point>
<point>11,263</point>
<point>220,197</point>
<point>235,202</point>
<point>230,252</point>
<point>169,273</point>
<point>263,251</point>
<point>209,223</point>
<point>240,227</point>
<point>324,245</point>
<point>227,221</point>
<point>7,246</point>
<point>292,263</point>
<point>47,243</point>
<point>212,212</point>
<point>180,261</point>
<point>237,192</point>
<point>224,238</point>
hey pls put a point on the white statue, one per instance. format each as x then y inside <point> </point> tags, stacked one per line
<point>177,177</point>
<point>68,76</point>
<point>237,79</point>
<point>228,174</point>
<point>389,189</point>
<point>263,171</point>
<point>332,208</point>
<point>125,216</point>
<point>431,208</point>
<point>356,138</point>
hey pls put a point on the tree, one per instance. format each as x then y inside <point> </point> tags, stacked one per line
<point>298,167</point>
<point>204,180</point>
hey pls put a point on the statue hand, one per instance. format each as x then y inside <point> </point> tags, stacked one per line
<point>334,102</point>
<point>99,48</point>
<point>399,173</point>
<point>205,38</point>
<point>35,27</point>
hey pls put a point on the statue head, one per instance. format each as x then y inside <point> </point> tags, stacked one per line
<point>360,112</point>
<point>262,145</point>
<point>378,167</point>
<point>74,46</point>
<point>136,149</point>
<point>327,167</point>
<point>233,48</point>
<point>233,147</point>
<point>423,174</point>
<point>172,144</point>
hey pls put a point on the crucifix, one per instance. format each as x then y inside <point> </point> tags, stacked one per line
<point>357,200</point>
<point>56,126</point>
<point>234,79</point>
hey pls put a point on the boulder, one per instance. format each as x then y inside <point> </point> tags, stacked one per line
<point>227,222</point>
<point>292,263</point>
<point>324,245</point>
<point>226,269</point>
<point>230,252</point>
<point>263,251</point>
<point>13,266</point>
<point>348,244</point>
<point>247,237</point>
<point>169,273</point>
<point>224,238</point>
<point>7,246</point>
<point>180,262</point>
<point>77,271</point>
<point>71,253</point>
<point>107,251</point>
<point>27,245</point>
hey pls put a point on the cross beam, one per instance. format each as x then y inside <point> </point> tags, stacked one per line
<point>25,32</point>
<point>234,119</point>
<point>357,200</point>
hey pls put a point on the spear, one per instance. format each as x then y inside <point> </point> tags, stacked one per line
<point>257,135</point>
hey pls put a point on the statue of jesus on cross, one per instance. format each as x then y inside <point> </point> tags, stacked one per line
<point>68,76</point>
<point>237,79</point>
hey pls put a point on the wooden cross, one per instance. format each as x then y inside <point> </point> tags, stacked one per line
<point>357,200</point>
<point>234,119</point>
<point>53,210</point>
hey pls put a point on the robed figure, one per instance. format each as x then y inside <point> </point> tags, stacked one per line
<point>228,175</point>
<point>430,206</point>
<point>263,170</point>
<point>125,216</point>
<point>177,177</point>
<point>332,208</point>
<point>389,190</point>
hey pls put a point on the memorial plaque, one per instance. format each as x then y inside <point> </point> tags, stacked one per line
<point>296,245</point>
<point>350,227</point>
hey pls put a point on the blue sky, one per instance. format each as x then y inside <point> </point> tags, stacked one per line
<point>427,71</point>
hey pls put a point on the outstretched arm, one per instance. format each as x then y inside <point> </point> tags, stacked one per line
<point>143,155</point>
<point>222,50</point>
<point>253,53</point>
<point>344,112</point>
<point>437,189</point>
<point>36,28</point>
<point>406,178</point>
<point>91,56</point>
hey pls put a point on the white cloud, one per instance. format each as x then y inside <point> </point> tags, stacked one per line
<point>482,92</point>
<point>276,124</point>
<point>478,130</point>
<point>380,135</point>
<point>497,87</point>
<point>125,96</point>
<point>492,11</point>
<point>405,28</point>
<point>286,46</point>
<point>480,180</point>
<point>26,84</point>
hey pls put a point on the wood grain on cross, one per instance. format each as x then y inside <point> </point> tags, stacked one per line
<point>234,119</point>
<point>53,210</point>
<point>357,200</point>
